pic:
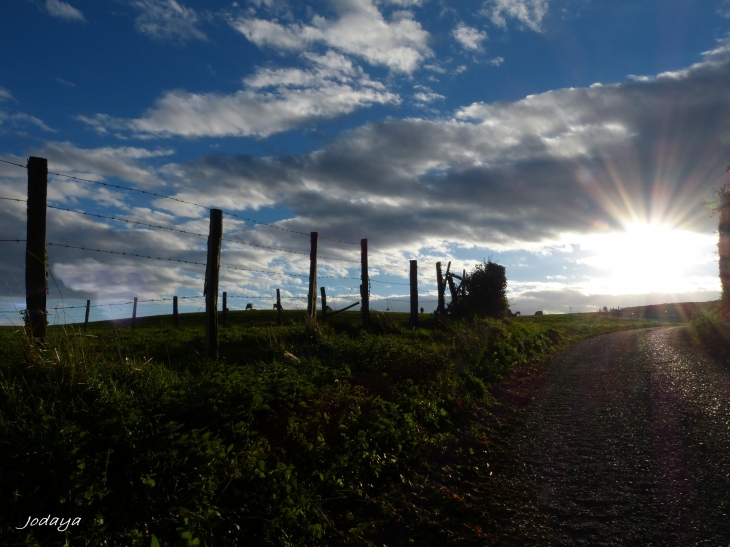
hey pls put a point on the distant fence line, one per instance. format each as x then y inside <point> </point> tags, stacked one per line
<point>36,266</point>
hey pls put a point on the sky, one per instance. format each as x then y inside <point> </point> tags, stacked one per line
<point>572,141</point>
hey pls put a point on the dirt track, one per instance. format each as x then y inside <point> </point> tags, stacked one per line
<point>628,443</point>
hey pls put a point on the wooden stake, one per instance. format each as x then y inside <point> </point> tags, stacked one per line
<point>36,266</point>
<point>210,291</point>
<point>174,312</point>
<point>414,293</point>
<point>312,296</point>
<point>134,313</point>
<point>278,306</point>
<point>86,319</point>
<point>365,287</point>
<point>324,304</point>
<point>225,308</point>
<point>441,289</point>
<point>345,309</point>
<point>450,281</point>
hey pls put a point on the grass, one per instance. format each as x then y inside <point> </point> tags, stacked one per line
<point>300,434</point>
<point>710,333</point>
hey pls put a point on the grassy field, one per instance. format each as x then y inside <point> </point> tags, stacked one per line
<point>298,435</point>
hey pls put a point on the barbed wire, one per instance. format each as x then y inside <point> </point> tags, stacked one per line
<point>138,223</point>
<point>125,303</point>
<point>163,196</point>
<point>388,282</point>
<point>181,231</point>
<point>13,163</point>
<point>193,262</point>
<point>13,240</point>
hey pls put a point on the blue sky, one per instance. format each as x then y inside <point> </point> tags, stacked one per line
<point>571,141</point>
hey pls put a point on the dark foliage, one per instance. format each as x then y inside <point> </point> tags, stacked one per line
<point>483,293</point>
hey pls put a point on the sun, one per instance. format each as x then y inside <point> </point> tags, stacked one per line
<point>650,258</point>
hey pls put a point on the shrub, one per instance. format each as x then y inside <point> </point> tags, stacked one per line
<point>484,293</point>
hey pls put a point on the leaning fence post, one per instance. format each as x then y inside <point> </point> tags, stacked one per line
<point>225,308</point>
<point>365,287</point>
<point>414,293</point>
<point>324,304</point>
<point>36,264</point>
<point>278,306</point>
<point>210,291</point>
<point>312,296</point>
<point>134,313</point>
<point>174,312</point>
<point>86,319</point>
<point>440,283</point>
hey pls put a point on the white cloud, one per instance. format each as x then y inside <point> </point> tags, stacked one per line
<point>469,37</point>
<point>167,20</point>
<point>122,162</point>
<point>57,8</point>
<point>5,95</point>
<point>65,83</point>
<point>400,44</point>
<point>428,97</point>
<point>22,117</point>
<point>497,61</point>
<point>528,12</point>
<point>500,176</point>
<point>510,175</point>
<point>724,10</point>
<point>273,100</point>
<point>402,3</point>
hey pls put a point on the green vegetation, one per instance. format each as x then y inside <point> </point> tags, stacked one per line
<point>484,293</point>
<point>299,435</point>
<point>711,333</point>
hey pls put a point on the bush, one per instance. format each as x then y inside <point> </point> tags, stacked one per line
<point>484,293</point>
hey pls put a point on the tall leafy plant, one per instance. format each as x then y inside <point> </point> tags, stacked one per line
<point>484,293</point>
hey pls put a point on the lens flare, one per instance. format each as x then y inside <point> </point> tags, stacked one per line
<point>649,259</point>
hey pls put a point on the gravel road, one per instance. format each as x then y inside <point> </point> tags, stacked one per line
<point>628,443</point>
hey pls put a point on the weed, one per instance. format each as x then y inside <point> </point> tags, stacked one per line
<point>301,434</point>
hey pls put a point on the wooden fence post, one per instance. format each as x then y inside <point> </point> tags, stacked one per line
<point>365,287</point>
<point>210,292</point>
<point>225,308</point>
<point>450,281</point>
<point>440,283</point>
<point>174,312</point>
<point>36,266</point>
<point>324,304</point>
<point>414,293</point>
<point>134,314</point>
<point>312,296</point>
<point>86,319</point>
<point>278,306</point>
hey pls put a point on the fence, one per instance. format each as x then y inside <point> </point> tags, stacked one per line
<point>36,262</point>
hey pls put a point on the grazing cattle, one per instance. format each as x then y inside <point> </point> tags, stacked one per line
<point>538,313</point>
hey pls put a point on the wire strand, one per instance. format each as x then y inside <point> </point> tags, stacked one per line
<point>192,262</point>
<point>13,163</point>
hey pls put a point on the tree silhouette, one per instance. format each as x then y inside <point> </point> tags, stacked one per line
<point>483,293</point>
<point>721,205</point>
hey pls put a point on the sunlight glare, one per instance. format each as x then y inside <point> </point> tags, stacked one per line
<point>650,258</point>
